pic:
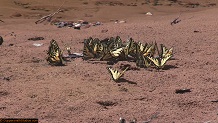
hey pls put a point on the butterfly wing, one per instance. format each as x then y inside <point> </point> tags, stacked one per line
<point>116,52</point>
<point>164,60</point>
<point>155,61</point>
<point>106,56</point>
<point>143,62</point>
<point>170,52</point>
<point>118,42</point>
<point>150,50</point>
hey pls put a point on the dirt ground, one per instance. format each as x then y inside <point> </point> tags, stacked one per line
<point>82,91</point>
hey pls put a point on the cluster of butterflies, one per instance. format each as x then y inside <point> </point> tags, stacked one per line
<point>113,49</point>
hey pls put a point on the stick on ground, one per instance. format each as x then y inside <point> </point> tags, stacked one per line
<point>49,17</point>
<point>176,20</point>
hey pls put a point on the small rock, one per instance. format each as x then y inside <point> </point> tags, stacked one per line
<point>38,44</point>
<point>104,30</point>
<point>196,31</point>
<point>2,108</point>
<point>214,101</point>
<point>181,91</point>
<point>11,45</point>
<point>98,23</point>
<point>7,78</point>
<point>61,24</point>
<point>122,120</point>
<point>133,121</point>
<point>85,22</point>
<point>2,21</point>
<point>16,15</point>
<point>80,21</point>
<point>148,13</point>
<point>87,26</point>
<point>77,28</point>
<point>1,40</point>
<point>77,25</point>
<point>122,21</point>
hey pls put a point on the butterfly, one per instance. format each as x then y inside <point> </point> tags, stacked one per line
<point>142,48</point>
<point>118,42</point>
<point>115,74</point>
<point>158,61</point>
<point>129,48</point>
<point>87,51</point>
<point>141,60</point>
<point>54,54</point>
<point>166,52</point>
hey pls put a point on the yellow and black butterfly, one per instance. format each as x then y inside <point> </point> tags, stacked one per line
<point>54,54</point>
<point>87,51</point>
<point>141,60</point>
<point>129,48</point>
<point>142,48</point>
<point>118,42</point>
<point>166,52</point>
<point>115,74</point>
<point>158,61</point>
<point>114,43</point>
<point>110,43</point>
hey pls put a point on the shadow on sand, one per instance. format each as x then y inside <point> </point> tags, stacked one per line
<point>122,80</point>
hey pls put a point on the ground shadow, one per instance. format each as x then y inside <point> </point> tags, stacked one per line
<point>122,80</point>
<point>167,67</point>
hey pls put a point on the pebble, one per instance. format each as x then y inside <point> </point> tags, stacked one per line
<point>77,25</point>
<point>16,15</point>
<point>122,21</point>
<point>37,44</point>
<point>148,13</point>
<point>104,30</point>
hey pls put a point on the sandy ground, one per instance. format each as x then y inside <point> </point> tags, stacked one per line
<point>30,88</point>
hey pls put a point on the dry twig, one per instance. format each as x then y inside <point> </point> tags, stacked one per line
<point>176,20</point>
<point>49,17</point>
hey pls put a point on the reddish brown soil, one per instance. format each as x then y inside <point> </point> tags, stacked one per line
<point>30,88</point>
